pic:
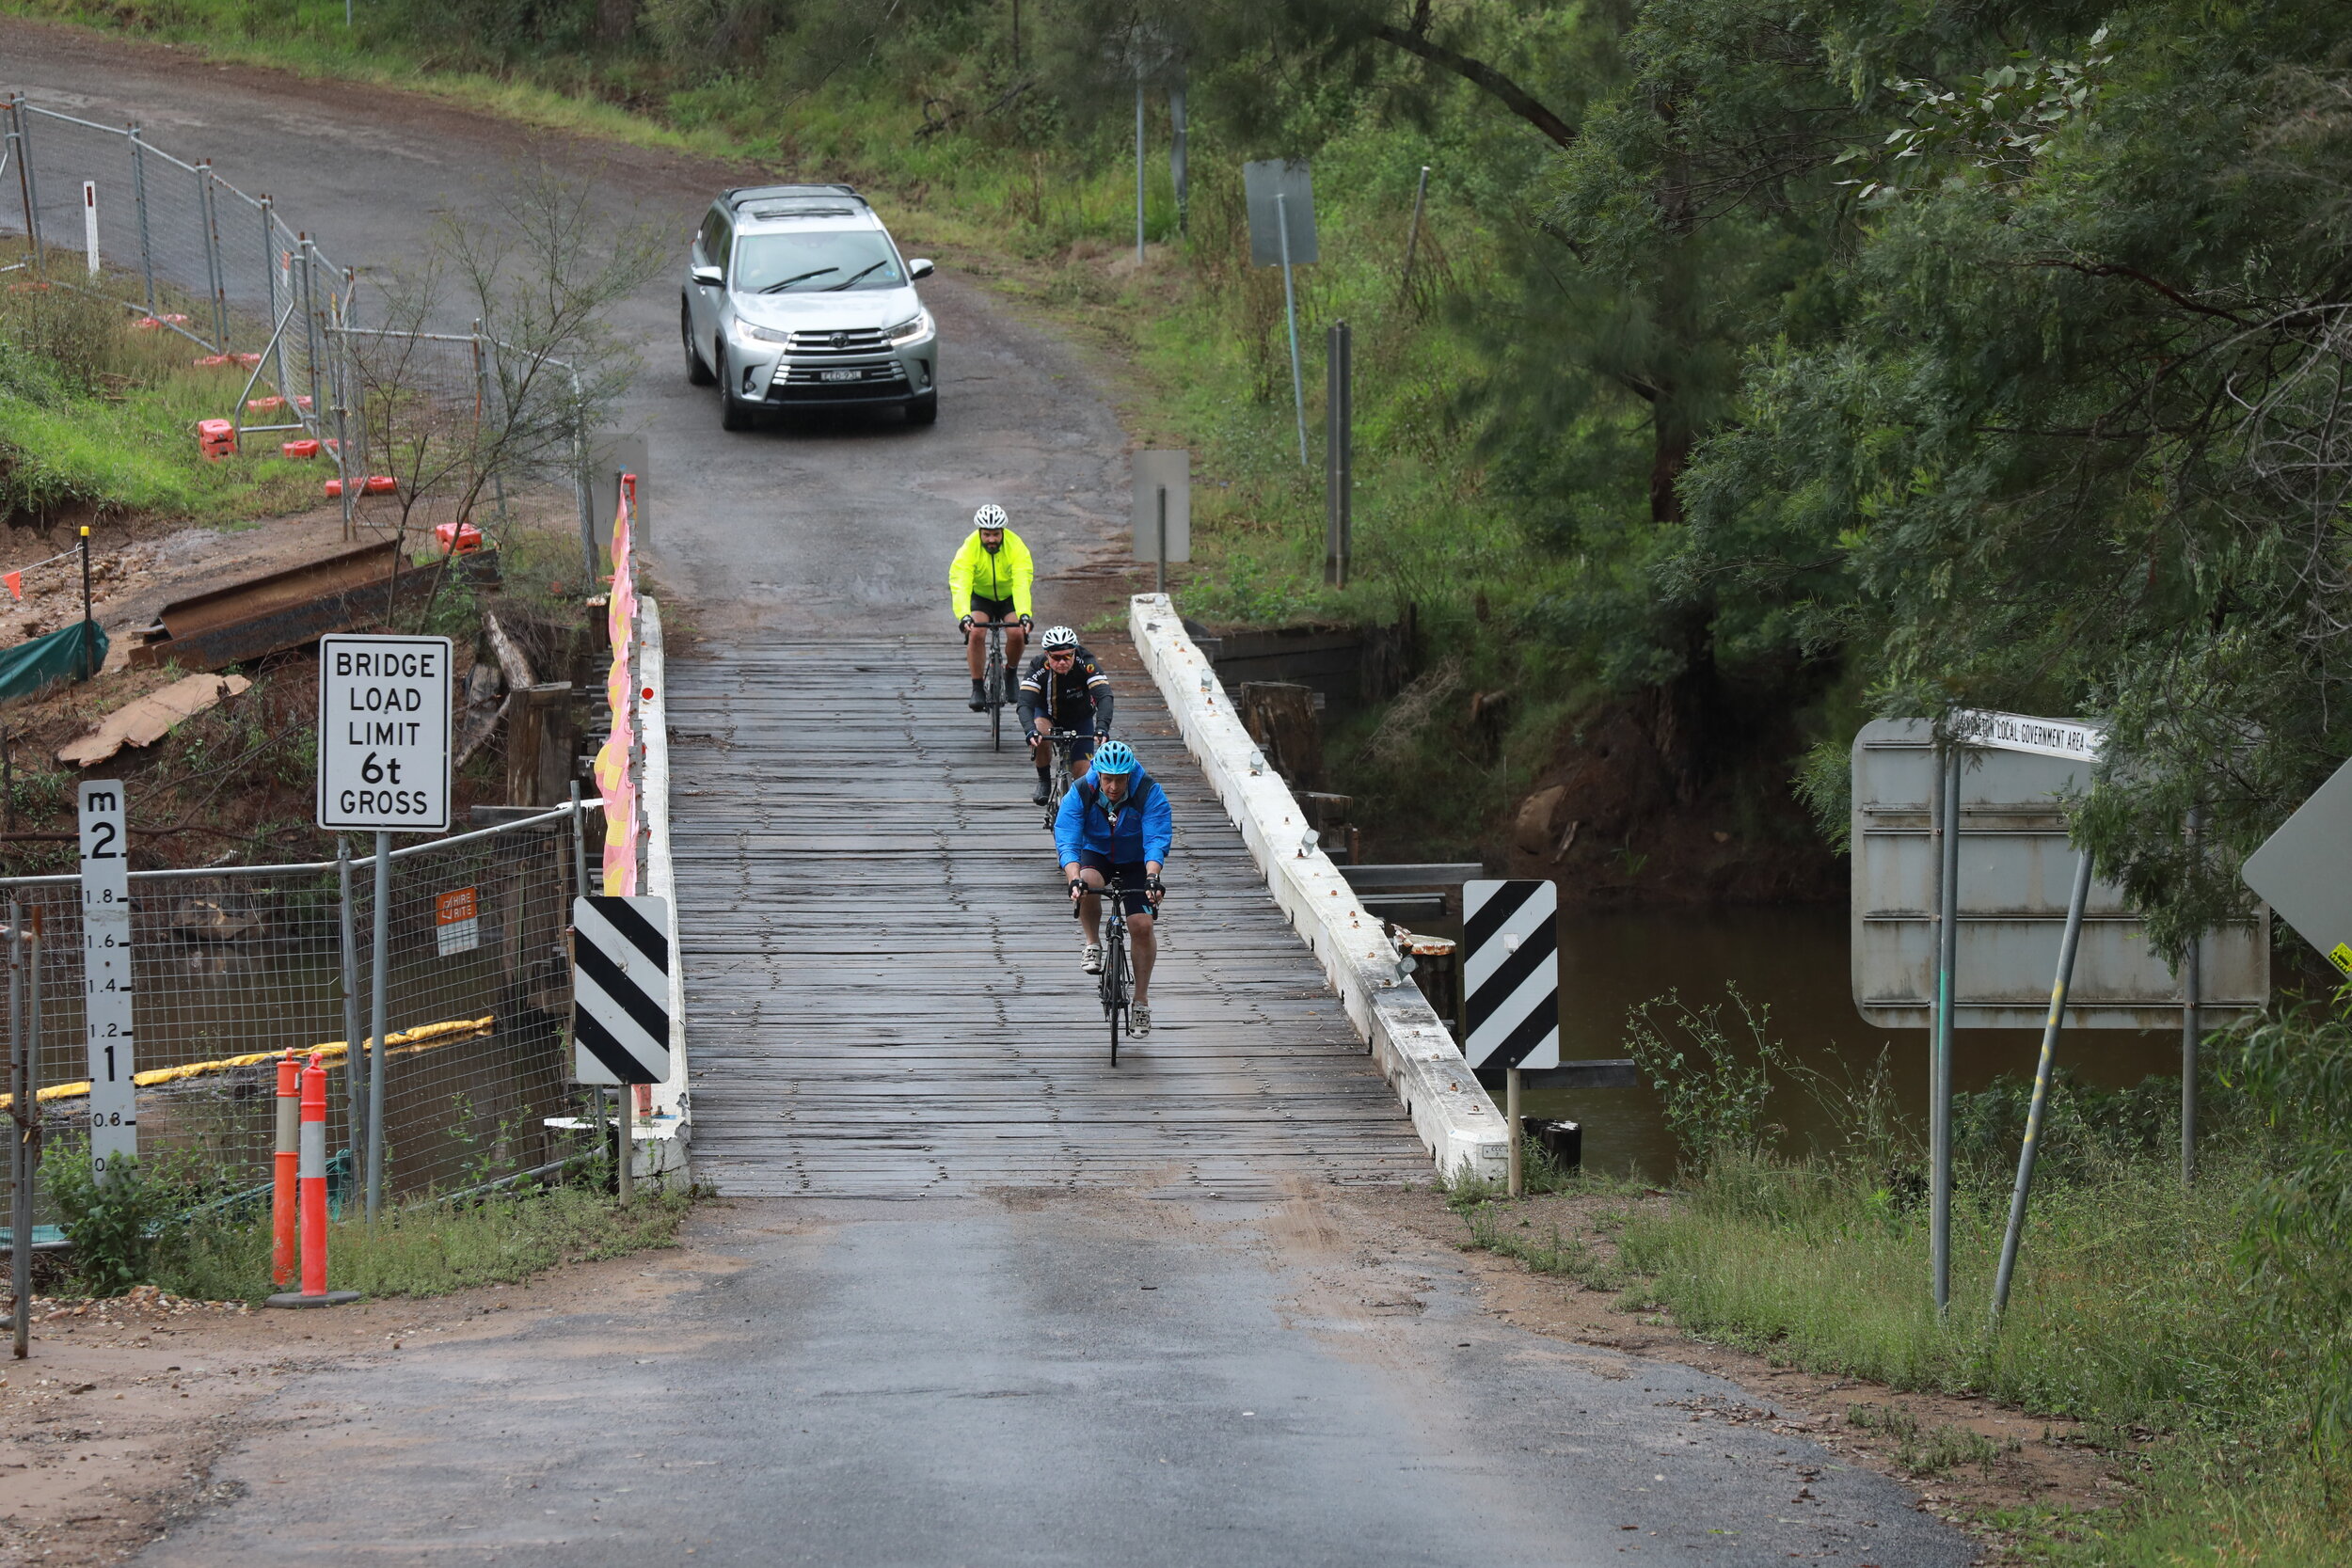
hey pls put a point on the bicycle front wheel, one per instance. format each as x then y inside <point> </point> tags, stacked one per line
<point>995,699</point>
<point>1114,990</point>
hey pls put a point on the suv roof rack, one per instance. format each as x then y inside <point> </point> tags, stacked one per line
<point>798,200</point>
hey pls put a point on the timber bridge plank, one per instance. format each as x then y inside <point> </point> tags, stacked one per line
<point>882,976</point>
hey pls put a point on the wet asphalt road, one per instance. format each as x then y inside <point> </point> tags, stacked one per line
<point>999,1380</point>
<point>1036,1381</point>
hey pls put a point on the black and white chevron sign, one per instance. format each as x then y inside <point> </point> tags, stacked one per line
<point>1510,974</point>
<point>621,990</point>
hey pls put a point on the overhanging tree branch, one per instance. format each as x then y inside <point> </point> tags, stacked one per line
<point>1512,96</point>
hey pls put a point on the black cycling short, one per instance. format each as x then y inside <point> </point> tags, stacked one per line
<point>1129,878</point>
<point>991,610</point>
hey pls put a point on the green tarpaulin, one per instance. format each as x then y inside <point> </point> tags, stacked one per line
<point>29,667</point>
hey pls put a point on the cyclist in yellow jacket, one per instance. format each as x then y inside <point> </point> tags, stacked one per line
<point>989,582</point>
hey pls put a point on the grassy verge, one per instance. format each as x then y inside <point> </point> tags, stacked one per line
<point>2197,1334</point>
<point>432,1249</point>
<point>2130,1314</point>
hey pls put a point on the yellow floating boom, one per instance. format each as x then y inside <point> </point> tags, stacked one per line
<point>425,1037</point>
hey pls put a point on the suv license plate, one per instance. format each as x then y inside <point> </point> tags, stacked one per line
<point>841,375</point>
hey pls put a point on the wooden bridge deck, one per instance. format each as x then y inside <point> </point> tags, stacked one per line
<point>882,978</point>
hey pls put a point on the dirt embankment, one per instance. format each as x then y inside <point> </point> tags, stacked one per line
<point>235,782</point>
<point>1608,820</point>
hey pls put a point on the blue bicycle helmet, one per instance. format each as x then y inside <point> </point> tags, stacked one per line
<point>1113,757</point>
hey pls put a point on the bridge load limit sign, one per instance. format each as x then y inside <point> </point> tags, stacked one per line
<point>384,709</point>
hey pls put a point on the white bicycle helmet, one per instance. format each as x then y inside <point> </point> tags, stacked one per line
<point>991,515</point>
<point>1057,637</point>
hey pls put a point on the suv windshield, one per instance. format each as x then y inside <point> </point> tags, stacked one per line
<point>816,262</point>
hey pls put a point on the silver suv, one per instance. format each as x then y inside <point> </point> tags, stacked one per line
<point>795,297</point>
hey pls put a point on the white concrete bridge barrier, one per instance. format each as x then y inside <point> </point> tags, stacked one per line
<point>663,1137</point>
<point>1450,1112</point>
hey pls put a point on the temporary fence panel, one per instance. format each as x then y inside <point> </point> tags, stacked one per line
<point>234,965</point>
<point>178,245</point>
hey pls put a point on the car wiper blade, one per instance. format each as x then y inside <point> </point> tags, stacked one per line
<point>800,277</point>
<point>836,288</point>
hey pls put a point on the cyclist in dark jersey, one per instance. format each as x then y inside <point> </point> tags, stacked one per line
<point>1064,688</point>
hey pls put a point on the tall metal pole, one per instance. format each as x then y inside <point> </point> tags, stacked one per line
<point>1159,576</point>
<point>354,1048</point>
<point>375,1024</point>
<point>27,184</point>
<point>2032,1148</point>
<point>25,1114</point>
<point>1290,312</point>
<point>89,667</point>
<point>584,493</point>
<point>1947,998</point>
<point>2192,998</point>
<point>269,290</point>
<point>214,274</point>
<point>1138,165</point>
<point>1412,235</point>
<point>580,846</point>
<point>1338,454</point>
<point>138,202</point>
<point>1179,175</point>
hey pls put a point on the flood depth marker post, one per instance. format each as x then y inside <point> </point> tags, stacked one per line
<point>107,990</point>
<point>384,767</point>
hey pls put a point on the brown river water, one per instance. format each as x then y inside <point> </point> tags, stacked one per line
<point>1792,959</point>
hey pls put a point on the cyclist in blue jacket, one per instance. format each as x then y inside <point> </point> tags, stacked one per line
<point>1113,828</point>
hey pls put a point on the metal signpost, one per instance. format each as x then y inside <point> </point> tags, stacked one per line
<point>1163,511</point>
<point>1983,804</point>
<point>107,990</point>
<point>384,766</point>
<point>621,1003</point>
<point>1511,987</point>
<point>1282,201</point>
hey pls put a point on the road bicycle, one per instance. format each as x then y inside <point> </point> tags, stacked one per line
<point>1116,985</point>
<point>996,686</point>
<point>1064,745</point>
<point>1117,982</point>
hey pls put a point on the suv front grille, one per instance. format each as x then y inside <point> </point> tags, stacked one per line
<point>839,381</point>
<point>825,345</point>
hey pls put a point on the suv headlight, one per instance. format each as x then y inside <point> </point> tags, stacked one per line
<point>762,334</point>
<point>914,328</point>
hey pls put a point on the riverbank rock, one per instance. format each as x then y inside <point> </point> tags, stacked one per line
<point>1537,827</point>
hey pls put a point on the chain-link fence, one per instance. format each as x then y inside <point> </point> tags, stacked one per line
<point>100,209</point>
<point>234,965</point>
